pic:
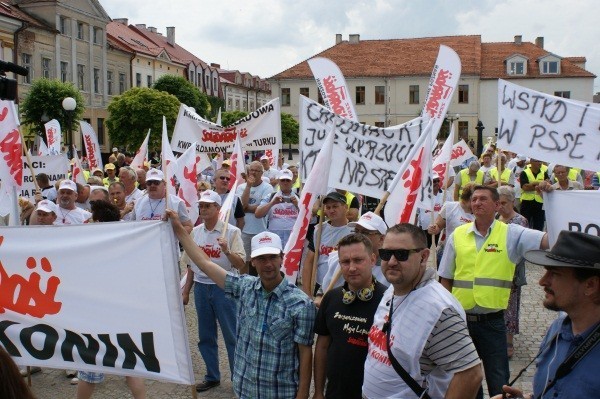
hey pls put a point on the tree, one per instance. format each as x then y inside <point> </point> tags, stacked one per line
<point>290,129</point>
<point>137,110</point>
<point>185,92</point>
<point>227,118</point>
<point>44,101</point>
<point>215,104</point>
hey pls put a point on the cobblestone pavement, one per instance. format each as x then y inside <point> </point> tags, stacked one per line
<point>52,384</point>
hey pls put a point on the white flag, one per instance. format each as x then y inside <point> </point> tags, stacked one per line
<point>92,148</point>
<point>11,148</point>
<point>237,166</point>
<point>219,117</point>
<point>316,184</point>
<point>77,174</point>
<point>228,203</point>
<point>168,159</point>
<point>333,88</point>
<point>141,155</point>
<point>53,136</point>
<point>442,160</point>
<point>187,175</point>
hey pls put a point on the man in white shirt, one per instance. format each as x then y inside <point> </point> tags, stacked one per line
<point>68,213</point>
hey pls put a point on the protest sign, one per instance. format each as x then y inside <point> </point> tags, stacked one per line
<point>92,148</point>
<point>259,131</point>
<point>365,158</point>
<point>96,315</point>
<point>333,88</point>
<point>571,210</point>
<point>55,166</point>
<point>548,128</point>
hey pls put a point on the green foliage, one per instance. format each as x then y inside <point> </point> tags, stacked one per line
<point>215,104</point>
<point>185,92</point>
<point>289,129</point>
<point>227,118</point>
<point>46,96</point>
<point>137,110</point>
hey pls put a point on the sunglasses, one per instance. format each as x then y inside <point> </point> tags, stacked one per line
<point>153,182</point>
<point>400,254</point>
<point>224,178</point>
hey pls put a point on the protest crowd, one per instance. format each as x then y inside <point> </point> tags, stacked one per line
<point>322,292</point>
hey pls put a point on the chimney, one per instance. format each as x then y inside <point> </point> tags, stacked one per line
<point>140,26</point>
<point>215,65</point>
<point>338,38</point>
<point>518,39</point>
<point>354,39</point>
<point>539,41</point>
<point>171,35</point>
<point>152,29</point>
<point>123,21</point>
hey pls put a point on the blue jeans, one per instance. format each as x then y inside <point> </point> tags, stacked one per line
<point>212,305</point>
<point>489,338</point>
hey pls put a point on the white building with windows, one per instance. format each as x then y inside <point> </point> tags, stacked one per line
<point>388,79</point>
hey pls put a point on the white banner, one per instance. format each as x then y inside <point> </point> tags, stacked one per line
<point>365,158</point>
<point>442,83</point>
<point>53,137</point>
<point>333,88</point>
<point>55,166</point>
<point>548,128</point>
<point>460,153</point>
<point>92,148</point>
<point>95,314</point>
<point>259,130</point>
<point>571,210</point>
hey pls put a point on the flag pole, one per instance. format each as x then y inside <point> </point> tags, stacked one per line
<point>335,278</point>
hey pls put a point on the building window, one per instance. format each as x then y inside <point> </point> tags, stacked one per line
<point>63,25</point>
<point>64,71</point>
<point>109,83</point>
<point>517,68</point>
<point>550,67</point>
<point>320,98</point>
<point>251,106</point>
<point>563,94</point>
<point>81,77</point>
<point>413,94</point>
<point>96,80</point>
<point>229,104</point>
<point>26,63</point>
<point>207,82</point>
<point>122,84</point>
<point>215,86</point>
<point>138,79</point>
<point>379,124</point>
<point>100,131</point>
<point>285,97</point>
<point>379,94</point>
<point>149,80</point>
<point>305,91</point>
<point>199,80</point>
<point>237,105</point>
<point>360,94</point>
<point>192,76</point>
<point>46,67</point>
<point>97,35</point>
<point>463,130</point>
<point>244,105</point>
<point>80,30</point>
<point>463,94</point>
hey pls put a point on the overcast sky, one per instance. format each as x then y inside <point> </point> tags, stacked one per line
<point>266,37</point>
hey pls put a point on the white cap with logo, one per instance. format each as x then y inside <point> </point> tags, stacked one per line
<point>266,243</point>
<point>210,197</point>
<point>46,206</point>
<point>371,221</point>
<point>155,174</point>
<point>68,185</point>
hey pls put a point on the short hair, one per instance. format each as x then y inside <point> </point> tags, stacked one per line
<point>116,183</point>
<point>507,191</point>
<point>416,233</point>
<point>104,211</point>
<point>257,164</point>
<point>130,171</point>
<point>356,238</point>
<point>493,192</point>
<point>95,181</point>
<point>567,169</point>
<point>474,163</point>
<point>467,191</point>
<point>203,185</point>
<point>42,178</point>
<point>220,171</point>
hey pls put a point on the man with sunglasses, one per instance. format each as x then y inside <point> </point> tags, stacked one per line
<point>418,328</point>
<point>222,179</point>
<point>210,300</point>
<point>478,267</point>
<point>153,205</point>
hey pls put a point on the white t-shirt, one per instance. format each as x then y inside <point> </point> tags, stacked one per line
<point>455,216</point>
<point>253,224</point>
<point>329,239</point>
<point>151,209</point>
<point>424,216</point>
<point>135,195</point>
<point>72,216</point>
<point>283,215</point>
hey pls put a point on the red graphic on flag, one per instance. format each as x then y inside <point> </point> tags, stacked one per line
<point>10,147</point>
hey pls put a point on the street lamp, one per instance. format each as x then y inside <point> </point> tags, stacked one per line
<point>451,118</point>
<point>479,128</point>
<point>290,158</point>
<point>69,104</point>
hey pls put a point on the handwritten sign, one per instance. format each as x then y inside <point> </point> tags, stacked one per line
<point>260,130</point>
<point>571,210</point>
<point>42,294</point>
<point>365,158</point>
<point>548,128</point>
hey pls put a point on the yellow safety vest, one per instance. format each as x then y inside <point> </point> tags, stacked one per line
<point>533,195</point>
<point>573,172</point>
<point>486,278</point>
<point>465,178</point>
<point>505,175</point>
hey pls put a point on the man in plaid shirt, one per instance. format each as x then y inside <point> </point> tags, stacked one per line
<point>273,355</point>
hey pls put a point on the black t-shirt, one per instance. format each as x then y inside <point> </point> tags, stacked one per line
<point>239,210</point>
<point>348,326</point>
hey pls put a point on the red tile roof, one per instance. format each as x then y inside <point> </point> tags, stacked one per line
<point>124,38</point>
<point>416,57</point>
<point>11,11</point>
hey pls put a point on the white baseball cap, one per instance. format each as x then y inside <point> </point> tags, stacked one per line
<point>210,197</point>
<point>46,206</point>
<point>68,185</point>
<point>264,157</point>
<point>371,221</point>
<point>286,174</point>
<point>266,243</point>
<point>155,174</point>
